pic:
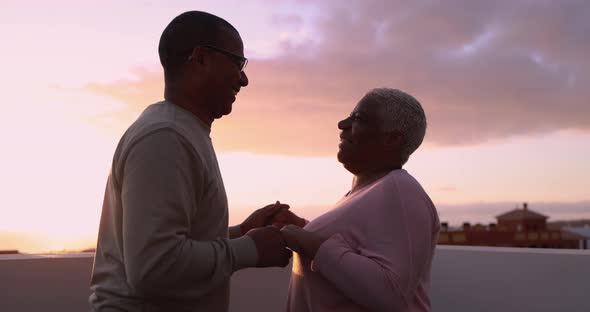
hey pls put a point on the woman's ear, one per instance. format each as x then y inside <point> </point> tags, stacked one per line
<point>393,140</point>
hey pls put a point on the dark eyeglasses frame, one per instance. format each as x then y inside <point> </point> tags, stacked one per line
<point>242,61</point>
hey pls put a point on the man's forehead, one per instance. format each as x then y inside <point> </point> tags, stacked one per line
<point>230,37</point>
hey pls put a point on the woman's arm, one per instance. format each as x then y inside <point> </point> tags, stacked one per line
<point>382,275</point>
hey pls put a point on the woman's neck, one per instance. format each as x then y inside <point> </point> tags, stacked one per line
<point>359,181</point>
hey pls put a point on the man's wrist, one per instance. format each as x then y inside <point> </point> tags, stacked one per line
<point>245,252</point>
<point>235,231</point>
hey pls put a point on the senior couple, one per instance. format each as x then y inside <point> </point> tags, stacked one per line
<point>164,243</point>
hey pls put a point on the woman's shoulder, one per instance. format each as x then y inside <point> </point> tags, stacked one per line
<point>403,182</point>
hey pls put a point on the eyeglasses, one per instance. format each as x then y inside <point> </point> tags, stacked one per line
<point>241,61</point>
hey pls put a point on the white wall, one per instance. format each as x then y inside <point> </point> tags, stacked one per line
<point>464,279</point>
<point>510,279</point>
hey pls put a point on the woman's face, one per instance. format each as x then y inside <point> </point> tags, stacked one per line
<point>361,147</point>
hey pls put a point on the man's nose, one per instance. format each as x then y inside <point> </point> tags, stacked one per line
<point>243,79</point>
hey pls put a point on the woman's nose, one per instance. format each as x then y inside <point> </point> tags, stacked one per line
<point>344,123</point>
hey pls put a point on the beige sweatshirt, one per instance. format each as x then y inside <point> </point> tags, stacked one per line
<point>163,242</point>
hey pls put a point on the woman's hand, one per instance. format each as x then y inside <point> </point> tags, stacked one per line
<point>263,217</point>
<point>301,241</point>
<point>285,217</point>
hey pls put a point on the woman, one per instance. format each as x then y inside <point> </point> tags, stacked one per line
<point>373,250</point>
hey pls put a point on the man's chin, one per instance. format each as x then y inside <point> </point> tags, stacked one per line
<point>223,112</point>
<point>227,110</point>
<point>228,106</point>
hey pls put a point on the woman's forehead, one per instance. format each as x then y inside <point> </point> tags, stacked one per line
<point>367,106</point>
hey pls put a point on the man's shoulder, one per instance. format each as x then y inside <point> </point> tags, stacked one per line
<point>168,115</point>
<point>141,129</point>
<point>164,117</point>
<point>154,119</point>
<point>161,116</point>
<point>155,116</point>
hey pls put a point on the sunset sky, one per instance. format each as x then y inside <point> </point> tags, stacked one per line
<point>505,85</point>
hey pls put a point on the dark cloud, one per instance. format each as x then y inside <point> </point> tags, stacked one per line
<point>483,70</point>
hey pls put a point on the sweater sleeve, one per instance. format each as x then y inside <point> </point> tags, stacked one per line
<point>235,231</point>
<point>162,180</point>
<point>383,273</point>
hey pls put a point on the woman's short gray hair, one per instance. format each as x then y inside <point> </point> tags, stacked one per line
<point>401,112</point>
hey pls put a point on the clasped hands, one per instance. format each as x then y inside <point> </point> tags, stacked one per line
<point>277,231</point>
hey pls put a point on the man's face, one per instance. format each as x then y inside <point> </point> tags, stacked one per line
<point>361,145</point>
<point>224,77</point>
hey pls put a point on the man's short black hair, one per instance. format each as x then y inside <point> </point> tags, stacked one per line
<point>184,33</point>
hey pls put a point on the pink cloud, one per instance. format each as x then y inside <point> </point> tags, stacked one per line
<point>484,71</point>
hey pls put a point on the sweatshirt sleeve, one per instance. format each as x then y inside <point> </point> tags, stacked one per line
<point>235,231</point>
<point>162,179</point>
<point>383,273</point>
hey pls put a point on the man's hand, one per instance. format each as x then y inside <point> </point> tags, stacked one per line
<point>262,217</point>
<point>271,247</point>
<point>301,241</point>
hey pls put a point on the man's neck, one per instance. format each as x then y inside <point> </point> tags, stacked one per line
<point>194,107</point>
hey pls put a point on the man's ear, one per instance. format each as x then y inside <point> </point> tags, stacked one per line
<point>393,140</point>
<point>197,55</point>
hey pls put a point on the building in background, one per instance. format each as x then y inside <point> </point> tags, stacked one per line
<point>583,231</point>
<point>516,228</point>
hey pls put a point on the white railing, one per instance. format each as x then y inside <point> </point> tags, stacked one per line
<point>463,279</point>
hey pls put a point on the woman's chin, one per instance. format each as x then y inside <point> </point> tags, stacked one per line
<point>342,159</point>
<point>341,156</point>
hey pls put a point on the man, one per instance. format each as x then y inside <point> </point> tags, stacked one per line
<point>164,242</point>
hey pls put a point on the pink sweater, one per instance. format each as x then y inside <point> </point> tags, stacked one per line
<point>378,255</point>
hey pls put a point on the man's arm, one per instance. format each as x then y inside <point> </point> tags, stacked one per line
<point>161,179</point>
<point>235,231</point>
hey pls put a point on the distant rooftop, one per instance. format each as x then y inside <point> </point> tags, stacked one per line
<point>520,214</point>
<point>583,231</point>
